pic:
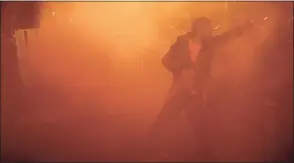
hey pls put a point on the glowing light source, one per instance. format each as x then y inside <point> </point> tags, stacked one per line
<point>217,27</point>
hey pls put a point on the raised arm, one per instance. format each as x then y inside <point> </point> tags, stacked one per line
<point>231,35</point>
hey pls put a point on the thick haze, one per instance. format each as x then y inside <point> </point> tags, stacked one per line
<point>97,83</point>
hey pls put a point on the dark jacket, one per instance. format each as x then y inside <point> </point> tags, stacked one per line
<point>178,56</point>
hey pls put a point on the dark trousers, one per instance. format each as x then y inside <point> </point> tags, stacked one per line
<point>196,112</point>
<point>182,100</point>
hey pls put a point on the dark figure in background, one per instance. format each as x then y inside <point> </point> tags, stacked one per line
<point>189,60</point>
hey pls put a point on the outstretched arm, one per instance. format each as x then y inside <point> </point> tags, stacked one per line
<point>231,35</point>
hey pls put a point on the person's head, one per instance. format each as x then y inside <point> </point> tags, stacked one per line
<point>202,27</point>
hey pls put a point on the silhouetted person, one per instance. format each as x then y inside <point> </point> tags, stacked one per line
<point>189,60</point>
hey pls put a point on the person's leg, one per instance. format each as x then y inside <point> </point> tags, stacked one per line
<point>178,97</point>
<point>171,109</point>
<point>194,108</point>
<point>195,112</point>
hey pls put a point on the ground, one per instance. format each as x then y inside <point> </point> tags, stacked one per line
<point>53,129</point>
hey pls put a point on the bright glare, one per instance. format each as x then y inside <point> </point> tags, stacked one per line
<point>128,28</point>
<point>79,34</point>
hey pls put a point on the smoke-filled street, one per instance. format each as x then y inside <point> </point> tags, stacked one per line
<point>88,84</point>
